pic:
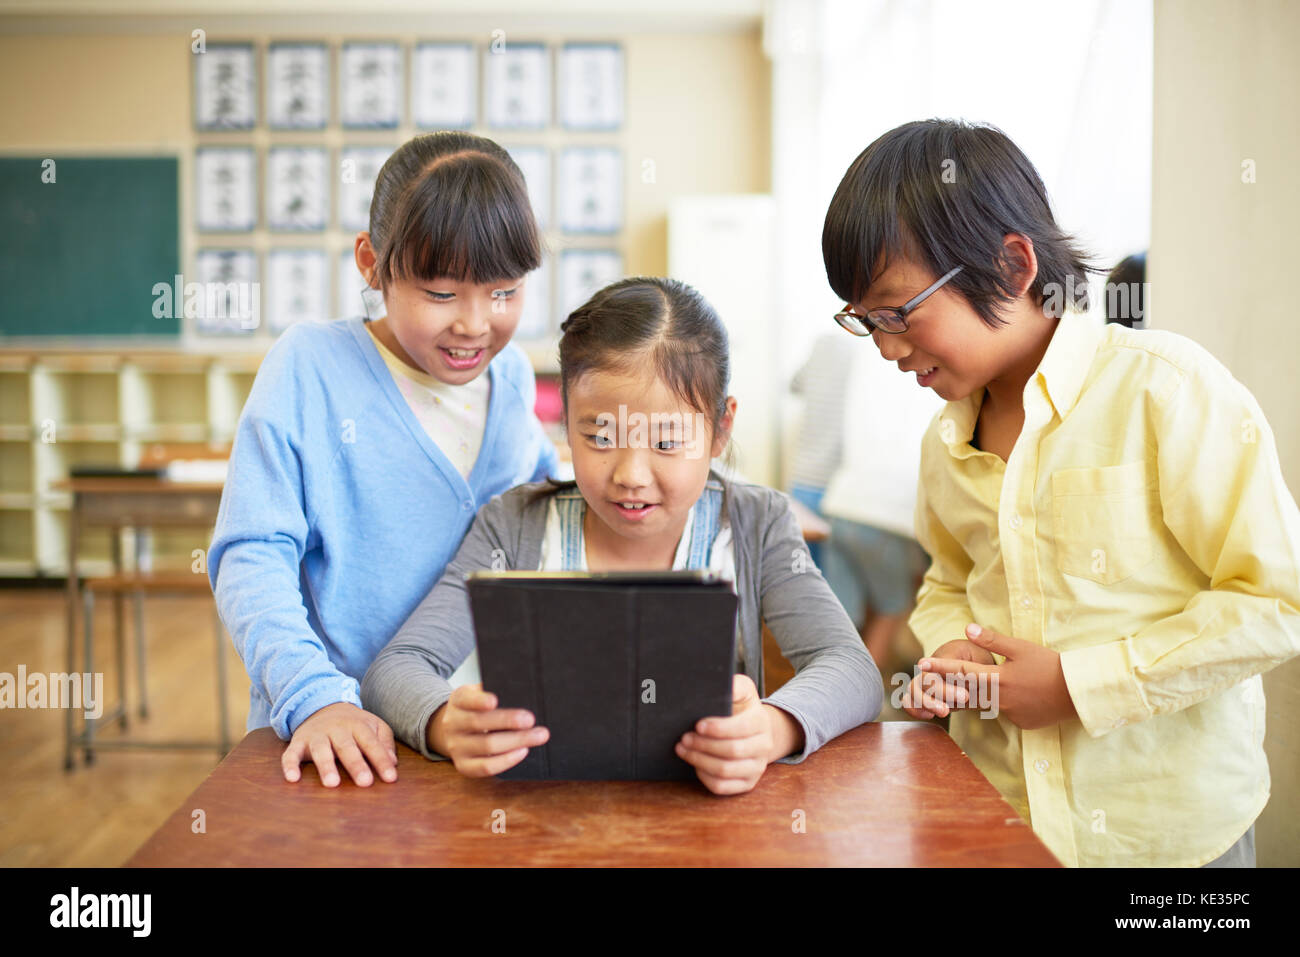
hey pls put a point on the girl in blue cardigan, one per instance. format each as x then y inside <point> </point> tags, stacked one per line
<point>366,448</point>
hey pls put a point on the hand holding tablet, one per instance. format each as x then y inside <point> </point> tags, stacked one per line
<point>480,738</point>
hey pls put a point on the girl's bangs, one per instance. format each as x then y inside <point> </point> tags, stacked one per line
<point>472,226</point>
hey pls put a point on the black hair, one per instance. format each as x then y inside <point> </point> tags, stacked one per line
<point>944,193</point>
<point>649,322</point>
<point>662,323</point>
<point>452,205</point>
<point>1125,291</point>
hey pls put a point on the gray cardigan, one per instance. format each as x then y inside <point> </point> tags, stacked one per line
<point>836,686</point>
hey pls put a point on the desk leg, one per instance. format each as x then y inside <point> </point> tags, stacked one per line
<point>89,610</point>
<point>69,718</point>
<point>119,626</point>
<point>223,734</point>
<point>143,564</point>
<point>140,654</point>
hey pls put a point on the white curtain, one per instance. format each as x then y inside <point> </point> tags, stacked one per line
<point>1069,82</point>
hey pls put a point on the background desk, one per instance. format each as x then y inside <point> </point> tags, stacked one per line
<point>886,794</point>
<point>138,503</point>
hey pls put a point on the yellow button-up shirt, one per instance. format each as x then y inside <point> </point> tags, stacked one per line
<point>1142,528</point>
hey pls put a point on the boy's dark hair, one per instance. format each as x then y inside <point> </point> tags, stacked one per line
<point>647,322</point>
<point>944,193</point>
<point>452,205</point>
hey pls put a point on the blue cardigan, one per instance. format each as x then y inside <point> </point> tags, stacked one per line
<point>340,513</point>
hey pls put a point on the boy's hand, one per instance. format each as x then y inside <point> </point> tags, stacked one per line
<point>730,754</point>
<point>480,738</point>
<point>927,694</point>
<point>1028,687</point>
<point>345,731</point>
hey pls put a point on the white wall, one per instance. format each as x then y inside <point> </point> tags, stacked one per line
<point>1223,253</point>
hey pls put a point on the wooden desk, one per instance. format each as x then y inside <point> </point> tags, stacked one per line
<point>138,503</point>
<point>887,794</point>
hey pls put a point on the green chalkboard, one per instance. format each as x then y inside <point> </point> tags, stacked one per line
<point>80,256</point>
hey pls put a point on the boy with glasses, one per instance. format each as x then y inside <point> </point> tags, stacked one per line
<point>1115,556</point>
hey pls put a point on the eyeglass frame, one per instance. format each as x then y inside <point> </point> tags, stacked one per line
<point>863,325</point>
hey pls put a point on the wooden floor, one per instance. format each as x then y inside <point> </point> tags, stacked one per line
<point>97,816</point>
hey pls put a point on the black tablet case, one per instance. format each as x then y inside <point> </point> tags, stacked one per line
<point>576,652</point>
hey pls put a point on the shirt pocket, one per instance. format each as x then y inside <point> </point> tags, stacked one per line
<point>1104,520</point>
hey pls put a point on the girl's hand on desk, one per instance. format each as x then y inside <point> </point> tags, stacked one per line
<point>730,754</point>
<point>345,731</point>
<point>928,694</point>
<point>480,738</point>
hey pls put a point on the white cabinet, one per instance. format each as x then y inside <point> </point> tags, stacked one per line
<point>724,246</point>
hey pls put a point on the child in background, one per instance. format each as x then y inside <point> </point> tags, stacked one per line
<point>873,563</point>
<point>365,449</point>
<point>855,464</point>
<point>1126,292</point>
<point>1111,538</point>
<point>644,500</point>
<point>820,382</point>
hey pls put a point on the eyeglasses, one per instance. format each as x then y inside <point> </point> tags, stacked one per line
<point>886,318</point>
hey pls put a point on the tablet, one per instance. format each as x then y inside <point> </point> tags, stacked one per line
<point>617,665</point>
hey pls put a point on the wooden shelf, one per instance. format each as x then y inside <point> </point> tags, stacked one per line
<point>176,432</point>
<point>96,432</point>
<point>71,405</point>
<point>178,362</point>
<point>82,363</point>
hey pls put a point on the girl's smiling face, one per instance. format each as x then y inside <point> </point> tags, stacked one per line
<point>452,329</point>
<point>448,328</point>
<point>639,483</point>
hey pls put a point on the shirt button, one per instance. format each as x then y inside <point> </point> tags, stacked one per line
<point>1015,521</point>
<point>1025,601</point>
<point>1041,765</point>
<point>467,505</point>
